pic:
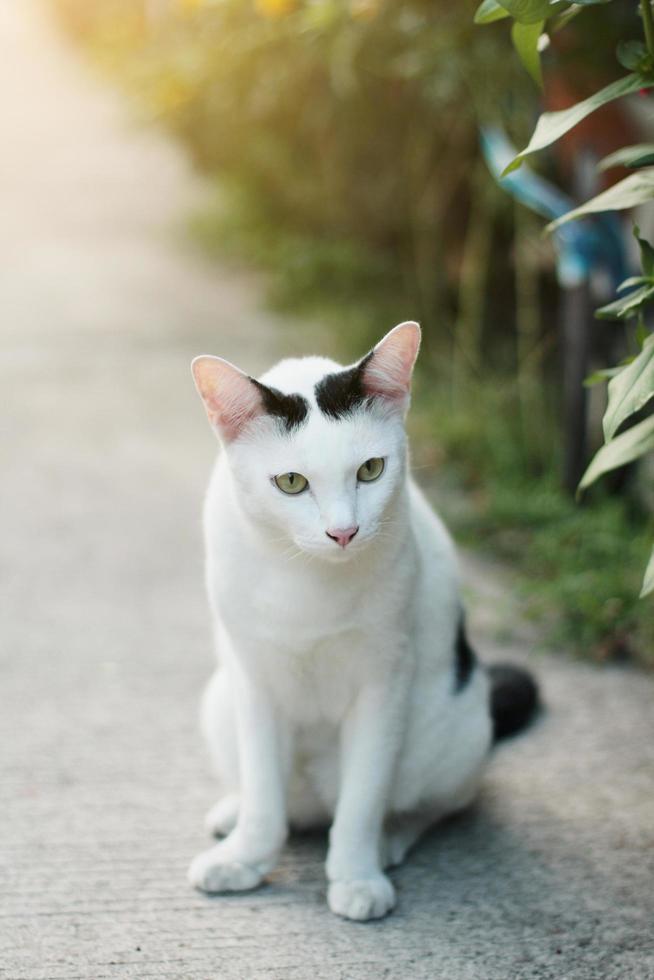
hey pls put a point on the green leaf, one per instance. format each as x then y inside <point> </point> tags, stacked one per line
<point>642,333</point>
<point>635,189</point>
<point>632,55</point>
<point>626,306</point>
<point>528,11</point>
<point>625,448</point>
<point>646,253</point>
<point>630,390</point>
<point>648,581</point>
<point>639,155</point>
<point>525,41</point>
<point>597,377</point>
<point>635,281</point>
<point>559,21</point>
<point>552,125</point>
<point>488,11</point>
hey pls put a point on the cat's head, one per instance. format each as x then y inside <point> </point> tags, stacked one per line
<point>317,451</point>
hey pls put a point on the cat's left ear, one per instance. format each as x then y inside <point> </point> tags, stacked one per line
<point>387,370</point>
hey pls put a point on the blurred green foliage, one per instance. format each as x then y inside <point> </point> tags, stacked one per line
<point>627,435</point>
<point>578,568</point>
<point>337,120</point>
<point>343,136</point>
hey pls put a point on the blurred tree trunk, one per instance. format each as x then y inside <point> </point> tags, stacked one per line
<point>577,324</point>
<point>575,316</point>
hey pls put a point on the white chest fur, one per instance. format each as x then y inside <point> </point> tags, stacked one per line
<point>313,630</point>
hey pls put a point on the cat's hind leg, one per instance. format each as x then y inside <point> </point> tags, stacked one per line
<point>262,750</point>
<point>432,785</point>
<point>219,729</point>
<point>218,725</point>
<point>401,832</point>
<point>221,818</point>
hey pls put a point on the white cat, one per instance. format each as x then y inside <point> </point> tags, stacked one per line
<point>346,693</point>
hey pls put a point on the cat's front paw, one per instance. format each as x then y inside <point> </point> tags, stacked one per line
<point>362,899</point>
<point>213,872</point>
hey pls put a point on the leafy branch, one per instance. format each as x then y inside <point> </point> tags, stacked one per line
<point>631,384</point>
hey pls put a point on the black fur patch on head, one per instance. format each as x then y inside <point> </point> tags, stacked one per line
<point>291,410</point>
<point>339,393</point>
<point>465,659</point>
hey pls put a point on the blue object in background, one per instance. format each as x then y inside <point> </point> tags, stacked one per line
<point>583,247</point>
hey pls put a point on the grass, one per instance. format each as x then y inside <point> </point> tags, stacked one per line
<point>578,565</point>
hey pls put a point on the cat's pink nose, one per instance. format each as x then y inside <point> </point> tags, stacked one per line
<point>342,535</point>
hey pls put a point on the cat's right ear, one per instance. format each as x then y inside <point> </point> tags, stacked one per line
<point>231,398</point>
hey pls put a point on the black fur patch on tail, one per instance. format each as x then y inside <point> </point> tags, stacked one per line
<point>513,699</point>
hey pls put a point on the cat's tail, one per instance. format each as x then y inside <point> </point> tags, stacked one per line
<point>513,699</point>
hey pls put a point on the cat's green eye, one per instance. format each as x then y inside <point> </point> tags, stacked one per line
<point>371,470</point>
<point>291,482</point>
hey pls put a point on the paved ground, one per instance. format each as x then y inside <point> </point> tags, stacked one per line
<point>105,642</point>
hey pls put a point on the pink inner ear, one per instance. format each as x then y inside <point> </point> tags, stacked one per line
<point>389,370</point>
<point>230,398</point>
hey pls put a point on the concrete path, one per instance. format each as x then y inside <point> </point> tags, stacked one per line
<point>105,641</point>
